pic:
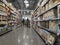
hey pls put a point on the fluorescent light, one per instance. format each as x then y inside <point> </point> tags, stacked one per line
<point>32,41</point>
<point>27,11</point>
<point>26,2</point>
<point>27,5</point>
<point>26,43</point>
<point>24,34</point>
<point>27,37</point>
<point>19,41</point>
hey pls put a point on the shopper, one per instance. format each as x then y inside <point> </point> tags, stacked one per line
<point>23,21</point>
<point>28,22</point>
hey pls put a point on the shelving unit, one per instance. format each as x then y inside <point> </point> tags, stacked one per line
<point>49,18</point>
<point>8,17</point>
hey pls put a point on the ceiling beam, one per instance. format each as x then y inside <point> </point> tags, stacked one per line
<point>19,4</point>
<point>26,10</point>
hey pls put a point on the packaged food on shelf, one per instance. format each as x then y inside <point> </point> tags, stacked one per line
<point>39,10</point>
<point>46,16</point>
<point>47,24</point>
<point>44,2</point>
<point>52,15</point>
<point>3,22</point>
<point>58,11</point>
<point>51,39</point>
<point>59,27</point>
<point>43,24</point>
<point>51,3</point>
<point>47,6</point>
<point>58,0</point>
<point>49,19</point>
<point>40,31</point>
<point>44,33</point>
<point>53,26</point>
<point>42,10</point>
<point>41,17</point>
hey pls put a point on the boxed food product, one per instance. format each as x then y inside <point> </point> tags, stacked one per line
<point>47,24</point>
<point>54,1</point>
<point>59,11</point>
<point>52,26</point>
<point>58,0</point>
<point>40,31</point>
<point>39,10</point>
<point>46,16</point>
<point>51,39</point>
<point>43,24</point>
<point>50,3</point>
<point>45,35</point>
<point>52,15</point>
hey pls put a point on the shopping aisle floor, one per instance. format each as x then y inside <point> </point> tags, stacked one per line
<point>21,36</point>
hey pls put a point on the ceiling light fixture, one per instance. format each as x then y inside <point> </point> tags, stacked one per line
<point>26,2</point>
<point>27,5</point>
<point>27,11</point>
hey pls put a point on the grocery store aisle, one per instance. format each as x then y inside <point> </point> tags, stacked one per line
<point>21,36</point>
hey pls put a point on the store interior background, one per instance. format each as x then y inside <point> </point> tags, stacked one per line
<point>43,16</point>
<point>21,5</point>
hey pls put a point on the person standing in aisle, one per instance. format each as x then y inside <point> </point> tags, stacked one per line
<point>23,21</point>
<point>27,22</point>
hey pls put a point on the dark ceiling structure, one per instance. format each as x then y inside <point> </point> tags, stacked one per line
<point>19,4</point>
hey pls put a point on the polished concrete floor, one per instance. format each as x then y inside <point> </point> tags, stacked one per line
<point>21,36</point>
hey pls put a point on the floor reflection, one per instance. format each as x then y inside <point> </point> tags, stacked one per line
<point>21,36</point>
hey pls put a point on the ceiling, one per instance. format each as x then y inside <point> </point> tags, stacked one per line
<point>19,4</point>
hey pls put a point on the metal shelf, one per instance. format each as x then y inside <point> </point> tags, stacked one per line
<point>8,7</point>
<point>54,19</point>
<point>46,3</point>
<point>48,30</point>
<point>49,9</point>
<point>36,8</point>
<point>48,43</point>
<point>40,36</point>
